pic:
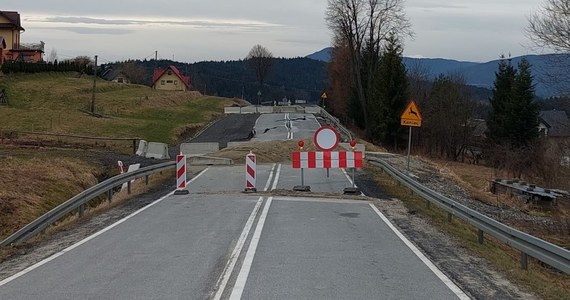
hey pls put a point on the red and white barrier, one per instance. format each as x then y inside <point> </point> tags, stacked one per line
<point>121,168</point>
<point>326,160</point>
<point>250,172</point>
<point>181,175</point>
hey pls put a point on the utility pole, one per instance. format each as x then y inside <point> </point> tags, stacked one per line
<point>94,86</point>
<point>155,55</point>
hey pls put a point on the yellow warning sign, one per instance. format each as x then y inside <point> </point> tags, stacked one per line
<point>324,96</point>
<point>411,116</point>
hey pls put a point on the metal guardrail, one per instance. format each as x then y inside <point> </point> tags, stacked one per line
<point>79,200</point>
<point>529,245</point>
<point>336,123</point>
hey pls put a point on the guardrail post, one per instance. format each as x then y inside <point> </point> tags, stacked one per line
<point>449,217</point>
<point>524,261</point>
<point>110,195</point>
<point>129,187</point>
<point>81,210</point>
<point>428,203</point>
<point>134,146</point>
<point>146,180</point>
<point>480,236</point>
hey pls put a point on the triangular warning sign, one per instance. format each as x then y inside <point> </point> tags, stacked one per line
<point>324,95</point>
<point>411,115</point>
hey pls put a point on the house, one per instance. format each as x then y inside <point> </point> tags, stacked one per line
<point>170,79</point>
<point>10,31</point>
<point>554,124</point>
<point>115,75</point>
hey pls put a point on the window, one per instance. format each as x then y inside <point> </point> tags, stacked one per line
<point>175,82</point>
<point>169,72</point>
<point>162,82</point>
<point>169,81</point>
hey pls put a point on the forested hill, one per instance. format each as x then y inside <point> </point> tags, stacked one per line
<point>294,78</point>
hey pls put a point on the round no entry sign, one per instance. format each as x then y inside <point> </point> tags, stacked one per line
<point>326,138</point>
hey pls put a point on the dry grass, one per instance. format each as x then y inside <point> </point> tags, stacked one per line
<point>35,185</point>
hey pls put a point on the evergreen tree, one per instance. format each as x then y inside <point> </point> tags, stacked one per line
<point>525,110</point>
<point>391,86</point>
<point>501,102</point>
<point>513,119</point>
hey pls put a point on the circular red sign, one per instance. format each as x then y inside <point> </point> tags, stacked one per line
<point>326,138</point>
<point>352,143</point>
<point>301,143</point>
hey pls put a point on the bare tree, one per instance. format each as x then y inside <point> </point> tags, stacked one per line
<point>364,26</point>
<point>550,26</point>
<point>134,72</point>
<point>447,111</point>
<point>260,60</point>
<point>52,56</point>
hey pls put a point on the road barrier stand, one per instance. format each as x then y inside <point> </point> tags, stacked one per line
<point>250,173</point>
<point>302,187</point>
<point>181,175</point>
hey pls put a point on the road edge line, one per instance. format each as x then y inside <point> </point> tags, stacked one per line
<point>448,282</point>
<point>87,239</point>
<point>241,280</point>
<point>228,270</point>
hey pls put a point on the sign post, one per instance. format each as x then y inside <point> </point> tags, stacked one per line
<point>411,117</point>
<point>323,98</point>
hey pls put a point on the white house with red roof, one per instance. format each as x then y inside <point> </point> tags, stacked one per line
<point>170,79</point>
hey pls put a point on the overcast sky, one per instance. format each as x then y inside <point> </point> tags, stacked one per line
<point>192,30</point>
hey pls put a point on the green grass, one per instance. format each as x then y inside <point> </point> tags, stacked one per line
<point>53,102</point>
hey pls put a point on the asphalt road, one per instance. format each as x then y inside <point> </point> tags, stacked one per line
<point>285,126</point>
<point>220,243</point>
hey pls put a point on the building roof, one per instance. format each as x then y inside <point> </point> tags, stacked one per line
<point>14,18</point>
<point>159,72</point>
<point>112,74</point>
<point>556,121</point>
<point>31,47</point>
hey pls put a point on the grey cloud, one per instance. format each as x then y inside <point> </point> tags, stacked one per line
<point>89,30</point>
<point>239,24</point>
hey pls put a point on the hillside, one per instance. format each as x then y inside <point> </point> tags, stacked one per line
<point>41,173</point>
<point>53,102</point>
<point>294,78</point>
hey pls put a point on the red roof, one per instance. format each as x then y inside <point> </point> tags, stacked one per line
<point>159,72</point>
<point>14,18</point>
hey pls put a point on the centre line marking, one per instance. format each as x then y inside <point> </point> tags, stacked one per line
<point>276,178</point>
<point>269,179</point>
<point>248,260</point>
<point>228,270</point>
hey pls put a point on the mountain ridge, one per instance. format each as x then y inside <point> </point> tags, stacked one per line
<point>544,67</point>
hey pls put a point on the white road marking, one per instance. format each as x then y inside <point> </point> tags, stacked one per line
<point>269,179</point>
<point>228,270</point>
<point>348,177</point>
<point>276,177</point>
<point>452,286</point>
<point>248,260</point>
<point>85,240</point>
